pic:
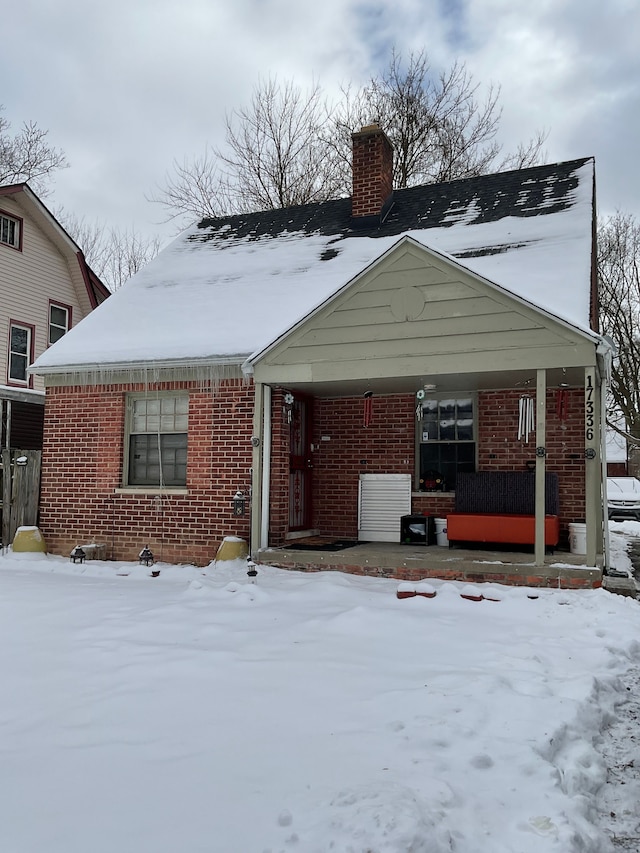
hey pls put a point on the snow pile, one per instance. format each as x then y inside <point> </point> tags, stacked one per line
<point>195,711</point>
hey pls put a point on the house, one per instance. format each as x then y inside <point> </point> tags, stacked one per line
<point>46,287</point>
<point>341,366</point>
<point>616,451</point>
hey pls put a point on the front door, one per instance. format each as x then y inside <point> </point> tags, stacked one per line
<point>300,464</point>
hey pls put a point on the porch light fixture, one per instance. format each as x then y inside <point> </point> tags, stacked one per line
<point>252,572</point>
<point>239,503</point>
<point>145,557</point>
<point>430,387</point>
<point>78,555</point>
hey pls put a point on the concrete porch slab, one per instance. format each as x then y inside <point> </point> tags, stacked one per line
<point>414,563</point>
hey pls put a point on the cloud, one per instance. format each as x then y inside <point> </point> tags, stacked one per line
<point>126,87</point>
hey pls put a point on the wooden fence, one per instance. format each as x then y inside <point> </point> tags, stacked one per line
<point>20,491</point>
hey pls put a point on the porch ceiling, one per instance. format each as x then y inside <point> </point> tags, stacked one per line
<point>454,382</point>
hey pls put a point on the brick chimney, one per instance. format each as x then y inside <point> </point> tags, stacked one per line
<point>372,174</point>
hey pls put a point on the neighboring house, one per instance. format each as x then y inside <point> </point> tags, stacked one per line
<point>616,450</point>
<point>293,352</point>
<point>46,288</point>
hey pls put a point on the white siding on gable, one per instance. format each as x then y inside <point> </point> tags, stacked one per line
<point>28,280</point>
<point>415,307</point>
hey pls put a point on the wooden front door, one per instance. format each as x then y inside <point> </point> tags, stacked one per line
<point>300,465</point>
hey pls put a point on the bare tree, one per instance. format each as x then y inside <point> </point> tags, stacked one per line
<point>112,253</point>
<point>124,254</point>
<point>194,190</point>
<point>619,283</point>
<point>27,156</point>
<point>438,127</point>
<point>274,156</point>
<point>291,147</point>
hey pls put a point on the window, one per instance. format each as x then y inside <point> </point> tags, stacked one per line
<point>157,440</point>
<point>10,231</point>
<point>20,354</point>
<point>59,321</point>
<point>447,441</point>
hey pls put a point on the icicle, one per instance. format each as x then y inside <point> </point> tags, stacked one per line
<point>206,376</point>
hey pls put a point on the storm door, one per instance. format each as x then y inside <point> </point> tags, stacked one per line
<point>300,464</point>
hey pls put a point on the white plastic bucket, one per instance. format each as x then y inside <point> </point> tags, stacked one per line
<point>441,531</point>
<point>578,538</point>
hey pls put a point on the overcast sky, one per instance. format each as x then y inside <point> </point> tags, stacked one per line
<point>126,87</point>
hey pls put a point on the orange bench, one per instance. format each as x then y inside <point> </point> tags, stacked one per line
<point>498,528</point>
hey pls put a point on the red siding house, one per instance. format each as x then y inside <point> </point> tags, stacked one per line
<point>343,366</point>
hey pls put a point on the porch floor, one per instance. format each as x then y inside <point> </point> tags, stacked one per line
<point>420,562</point>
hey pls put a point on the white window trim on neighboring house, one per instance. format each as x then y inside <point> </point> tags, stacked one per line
<point>10,231</point>
<point>155,447</point>
<point>16,354</point>
<point>58,327</point>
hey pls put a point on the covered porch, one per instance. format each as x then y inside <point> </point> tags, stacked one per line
<point>421,369</point>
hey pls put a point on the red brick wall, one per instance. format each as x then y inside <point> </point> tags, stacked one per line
<point>387,446</point>
<point>617,469</point>
<point>500,450</point>
<point>83,450</point>
<point>82,468</point>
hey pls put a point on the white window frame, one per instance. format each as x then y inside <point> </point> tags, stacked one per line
<point>156,415</point>
<point>27,356</point>
<point>10,231</point>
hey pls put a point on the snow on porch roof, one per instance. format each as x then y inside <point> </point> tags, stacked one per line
<point>228,287</point>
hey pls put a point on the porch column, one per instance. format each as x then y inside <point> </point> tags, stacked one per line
<point>541,429</point>
<point>266,468</point>
<point>592,465</point>
<point>256,467</point>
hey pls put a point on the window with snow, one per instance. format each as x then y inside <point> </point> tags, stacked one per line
<point>157,440</point>
<point>447,440</point>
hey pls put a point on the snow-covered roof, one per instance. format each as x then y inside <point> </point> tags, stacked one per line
<point>226,288</point>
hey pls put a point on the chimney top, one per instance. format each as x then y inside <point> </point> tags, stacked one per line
<point>372,175</point>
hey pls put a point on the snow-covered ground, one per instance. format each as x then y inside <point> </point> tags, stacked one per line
<point>317,713</point>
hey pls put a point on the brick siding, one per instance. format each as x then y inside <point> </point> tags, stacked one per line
<point>83,452</point>
<point>82,469</point>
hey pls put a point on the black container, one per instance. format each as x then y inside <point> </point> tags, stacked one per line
<point>418,530</point>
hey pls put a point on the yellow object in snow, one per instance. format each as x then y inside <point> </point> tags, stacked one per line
<point>29,540</point>
<point>232,548</point>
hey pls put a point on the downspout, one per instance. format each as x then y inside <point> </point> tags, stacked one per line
<point>604,355</point>
<point>605,500</point>
<point>7,435</point>
<point>540,496</point>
